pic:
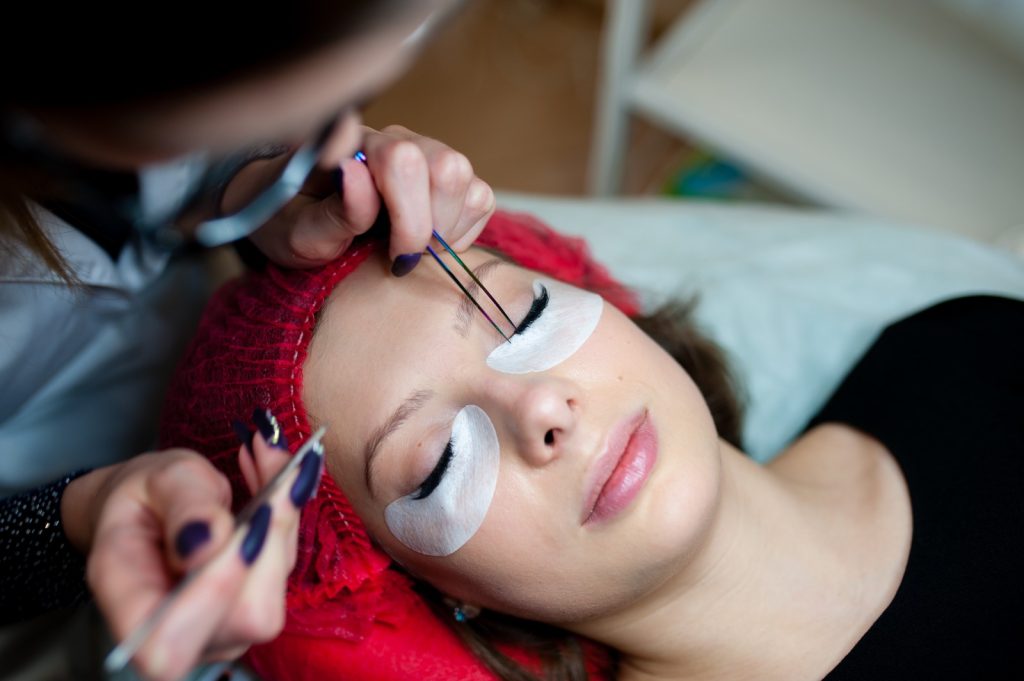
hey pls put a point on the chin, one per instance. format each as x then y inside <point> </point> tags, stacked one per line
<point>682,502</point>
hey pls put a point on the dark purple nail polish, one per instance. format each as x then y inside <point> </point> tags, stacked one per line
<point>404,264</point>
<point>191,537</point>
<point>270,429</point>
<point>339,180</point>
<point>307,480</point>
<point>257,534</point>
<point>243,433</point>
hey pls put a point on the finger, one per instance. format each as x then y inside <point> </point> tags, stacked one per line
<point>268,460</point>
<point>480,206</point>
<point>318,227</point>
<point>193,499</point>
<point>402,177</point>
<point>259,615</point>
<point>248,468</point>
<point>225,654</point>
<point>259,612</point>
<point>344,140</point>
<point>198,614</point>
<point>306,233</point>
<point>126,569</point>
<point>360,202</point>
<point>451,176</point>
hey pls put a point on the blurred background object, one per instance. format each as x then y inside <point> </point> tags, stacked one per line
<point>513,84</point>
<point>910,110</point>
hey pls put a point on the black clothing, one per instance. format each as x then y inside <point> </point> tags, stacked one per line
<point>943,390</point>
<point>39,569</point>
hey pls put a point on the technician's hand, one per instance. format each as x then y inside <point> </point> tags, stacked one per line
<point>149,520</point>
<point>424,185</point>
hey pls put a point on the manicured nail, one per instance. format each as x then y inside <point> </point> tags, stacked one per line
<point>308,478</point>
<point>243,433</point>
<point>270,429</point>
<point>339,180</point>
<point>257,534</point>
<point>191,537</point>
<point>404,264</point>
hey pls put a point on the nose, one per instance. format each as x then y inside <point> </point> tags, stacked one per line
<point>542,415</point>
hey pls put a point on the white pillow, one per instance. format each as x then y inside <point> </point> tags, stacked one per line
<point>793,296</point>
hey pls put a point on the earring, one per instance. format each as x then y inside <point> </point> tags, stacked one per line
<point>462,611</point>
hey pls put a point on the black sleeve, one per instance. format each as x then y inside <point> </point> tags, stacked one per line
<point>39,569</point>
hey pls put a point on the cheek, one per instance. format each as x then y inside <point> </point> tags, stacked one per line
<point>510,563</point>
<point>441,522</point>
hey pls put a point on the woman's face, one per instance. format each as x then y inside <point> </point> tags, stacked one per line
<point>560,478</point>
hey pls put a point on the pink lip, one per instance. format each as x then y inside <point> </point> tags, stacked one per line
<point>621,471</point>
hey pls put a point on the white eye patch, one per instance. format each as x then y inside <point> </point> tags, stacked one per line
<point>440,523</point>
<point>565,325</point>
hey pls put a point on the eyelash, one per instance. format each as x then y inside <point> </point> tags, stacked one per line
<point>434,479</point>
<point>540,303</point>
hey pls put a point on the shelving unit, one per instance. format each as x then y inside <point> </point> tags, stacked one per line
<point>896,109</point>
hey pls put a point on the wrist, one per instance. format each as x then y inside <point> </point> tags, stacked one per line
<point>80,505</point>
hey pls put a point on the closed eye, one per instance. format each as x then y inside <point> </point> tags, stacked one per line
<point>540,303</point>
<point>434,479</point>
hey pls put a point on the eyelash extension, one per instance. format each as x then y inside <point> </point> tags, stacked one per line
<point>540,303</point>
<point>434,479</point>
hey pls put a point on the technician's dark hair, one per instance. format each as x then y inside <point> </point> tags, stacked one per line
<point>558,654</point>
<point>85,54</point>
<point>80,56</point>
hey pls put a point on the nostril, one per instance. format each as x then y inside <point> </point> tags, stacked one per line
<point>549,437</point>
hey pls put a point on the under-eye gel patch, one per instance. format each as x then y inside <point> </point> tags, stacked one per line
<point>565,325</point>
<point>440,523</point>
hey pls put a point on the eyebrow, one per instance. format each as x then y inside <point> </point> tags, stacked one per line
<point>403,413</point>
<point>417,398</point>
<point>465,311</point>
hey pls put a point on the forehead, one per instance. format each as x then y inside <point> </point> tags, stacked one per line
<point>381,337</point>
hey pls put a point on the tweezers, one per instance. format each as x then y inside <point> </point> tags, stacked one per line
<point>479,283</point>
<point>119,657</point>
<point>361,156</point>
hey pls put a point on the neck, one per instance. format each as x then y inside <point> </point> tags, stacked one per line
<point>768,586</point>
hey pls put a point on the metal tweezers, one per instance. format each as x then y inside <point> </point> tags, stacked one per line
<point>361,156</point>
<point>463,288</point>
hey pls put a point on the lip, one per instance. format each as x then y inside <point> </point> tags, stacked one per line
<point>618,475</point>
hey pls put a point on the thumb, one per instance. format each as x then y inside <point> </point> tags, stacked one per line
<point>308,232</point>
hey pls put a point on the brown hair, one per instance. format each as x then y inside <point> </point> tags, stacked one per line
<point>559,653</point>
<point>18,224</point>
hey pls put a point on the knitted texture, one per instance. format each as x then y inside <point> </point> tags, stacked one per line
<point>249,352</point>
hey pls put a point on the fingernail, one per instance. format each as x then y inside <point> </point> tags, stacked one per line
<point>307,480</point>
<point>404,264</point>
<point>243,433</point>
<point>339,180</point>
<point>191,537</point>
<point>270,429</point>
<point>257,534</point>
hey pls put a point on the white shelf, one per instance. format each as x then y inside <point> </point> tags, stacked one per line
<point>894,109</point>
